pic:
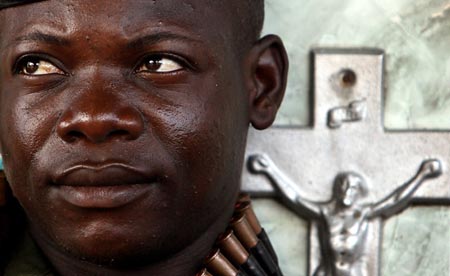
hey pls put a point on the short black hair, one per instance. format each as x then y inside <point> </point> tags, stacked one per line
<point>251,19</point>
<point>11,3</point>
<point>254,10</point>
<point>250,14</point>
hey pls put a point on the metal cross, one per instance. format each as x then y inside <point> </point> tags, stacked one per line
<point>345,152</point>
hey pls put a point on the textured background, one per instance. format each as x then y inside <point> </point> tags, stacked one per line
<point>416,37</point>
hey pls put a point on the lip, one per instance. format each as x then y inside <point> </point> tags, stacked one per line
<point>105,174</point>
<point>103,197</point>
<point>102,186</point>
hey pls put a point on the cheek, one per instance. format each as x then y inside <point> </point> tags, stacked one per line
<point>207,137</point>
<point>25,128</point>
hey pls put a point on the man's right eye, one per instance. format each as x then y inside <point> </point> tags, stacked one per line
<point>35,66</point>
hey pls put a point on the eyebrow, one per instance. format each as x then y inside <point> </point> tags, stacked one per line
<point>39,36</point>
<point>136,43</point>
<point>158,37</point>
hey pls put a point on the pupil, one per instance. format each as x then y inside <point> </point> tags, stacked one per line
<point>31,67</point>
<point>154,64</point>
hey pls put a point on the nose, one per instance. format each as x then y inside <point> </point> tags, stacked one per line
<point>98,119</point>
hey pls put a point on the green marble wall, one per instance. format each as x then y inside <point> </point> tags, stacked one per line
<point>415,243</point>
<point>416,36</point>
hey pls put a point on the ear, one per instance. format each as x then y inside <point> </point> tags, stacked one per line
<point>267,65</point>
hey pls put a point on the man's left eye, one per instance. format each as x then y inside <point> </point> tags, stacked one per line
<point>159,64</point>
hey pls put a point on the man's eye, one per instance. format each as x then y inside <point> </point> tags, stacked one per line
<point>37,67</point>
<point>159,64</point>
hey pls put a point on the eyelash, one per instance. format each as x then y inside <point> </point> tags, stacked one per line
<point>184,64</point>
<point>21,63</point>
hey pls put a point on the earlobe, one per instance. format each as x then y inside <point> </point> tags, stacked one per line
<point>267,80</point>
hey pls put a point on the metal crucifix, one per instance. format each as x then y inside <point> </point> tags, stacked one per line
<point>343,155</point>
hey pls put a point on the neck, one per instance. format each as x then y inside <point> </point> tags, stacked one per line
<point>185,262</point>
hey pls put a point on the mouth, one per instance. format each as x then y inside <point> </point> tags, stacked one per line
<point>103,186</point>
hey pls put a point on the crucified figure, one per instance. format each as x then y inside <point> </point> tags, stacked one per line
<point>343,221</point>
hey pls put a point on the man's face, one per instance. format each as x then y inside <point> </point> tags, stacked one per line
<point>123,123</point>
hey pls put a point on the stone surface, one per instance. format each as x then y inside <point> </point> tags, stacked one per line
<point>288,234</point>
<point>415,36</point>
<point>417,243</point>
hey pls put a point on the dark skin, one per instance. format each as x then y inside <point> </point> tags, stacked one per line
<point>123,127</point>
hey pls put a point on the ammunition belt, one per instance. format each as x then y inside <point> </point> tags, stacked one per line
<point>244,249</point>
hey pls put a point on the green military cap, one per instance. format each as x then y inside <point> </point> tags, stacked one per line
<point>9,3</point>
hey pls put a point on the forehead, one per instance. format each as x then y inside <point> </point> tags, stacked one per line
<point>202,19</point>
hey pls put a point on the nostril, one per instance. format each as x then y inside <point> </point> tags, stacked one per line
<point>100,124</point>
<point>73,136</point>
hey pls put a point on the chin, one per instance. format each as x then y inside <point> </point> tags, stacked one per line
<point>108,241</point>
<point>120,251</point>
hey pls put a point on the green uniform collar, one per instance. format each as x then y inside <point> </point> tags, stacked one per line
<point>28,260</point>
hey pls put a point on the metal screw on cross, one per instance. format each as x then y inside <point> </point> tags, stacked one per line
<point>343,155</point>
